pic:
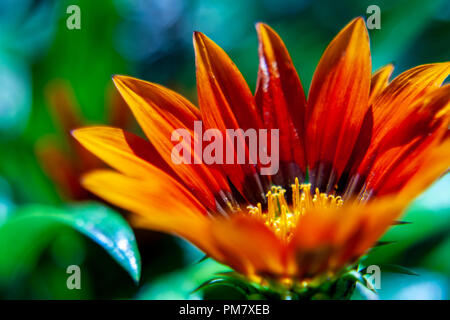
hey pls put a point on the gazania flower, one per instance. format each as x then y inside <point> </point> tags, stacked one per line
<point>352,156</point>
<point>66,162</point>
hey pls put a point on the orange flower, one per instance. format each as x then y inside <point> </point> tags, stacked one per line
<point>352,156</point>
<point>66,162</point>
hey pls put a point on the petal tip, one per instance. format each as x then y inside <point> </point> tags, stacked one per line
<point>118,78</point>
<point>358,21</point>
<point>80,134</point>
<point>264,30</point>
<point>261,26</point>
<point>203,43</point>
<point>84,133</point>
<point>75,133</point>
<point>198,36</point>
<point>359,25</point>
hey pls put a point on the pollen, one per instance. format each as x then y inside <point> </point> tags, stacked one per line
<point>282,217</point>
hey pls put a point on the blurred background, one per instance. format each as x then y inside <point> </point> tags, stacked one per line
<point>53,79</point>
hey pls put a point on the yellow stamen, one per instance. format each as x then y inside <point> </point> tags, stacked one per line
<point>283,218</point>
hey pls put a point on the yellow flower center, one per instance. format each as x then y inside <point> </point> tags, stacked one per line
<point>283,218</point>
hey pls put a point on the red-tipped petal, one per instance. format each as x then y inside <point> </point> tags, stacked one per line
<point>160,112</point>
<point>226,103</point>
<point>397,102</point>
<point>281,102</point>
<point>122,150</point>
<point>337,103</point>
<point>380,80</point>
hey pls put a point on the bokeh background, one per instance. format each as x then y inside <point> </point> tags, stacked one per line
<point>53,78</point>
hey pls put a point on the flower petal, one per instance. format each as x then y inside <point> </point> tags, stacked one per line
<point>160,112</point>
<point>119,115</point>
<point>66,114</point>
<point>421,173</point>
<point>337,104</point>
<point>61,169</point>
<point>429,123</point>
<point>63,105</point>
<point>121,150</point>
<point>327,239</point>
<point>281,102</point>
<point>226,103</point>
<point>399,100</point>
<point>404,115</point>
<point>395,102</point>
<point>160,200</point>
<point>380,80</point>
<point>161,204</point>
<point>248,245</point>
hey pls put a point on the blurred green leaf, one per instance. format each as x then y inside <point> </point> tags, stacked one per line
<point>6,202</point>
<point>393,268</point>
<point>363,293</point>
<point>429,215</point>
<point>401,23</point>
<point>15,96</point>
<point>224,287</point>
<point>31,187</point>
<point>428,286</point>
<point>438,259</point>
<point>181,284</point>
<point>24,236</point>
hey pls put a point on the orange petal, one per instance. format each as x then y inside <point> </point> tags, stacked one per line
<point>424,124</point>
<point>119,114</point>
<point>329,238</point>
<point>226,103</point>
<point>349,182</point>
<point>396,101</point>
<point>160,200</point>
<point>281,102</point>
<point>161,203</point>
<point>337,103</point>
<point>121,150</point>
<point>63,105</point>
<point>224,96</point>
<point>248,245</point>
<point>378,216</point>
<point>380,80</point>
<point>61,170</point>
<point>196,231</point>
<point>421,173</point>
<point>321,235</point>
<point>400,99</point>
<point>413,173</point>
<point>160,112</point>
<point>66,114</point>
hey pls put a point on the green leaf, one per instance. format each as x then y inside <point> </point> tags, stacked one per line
<point>383,243</point>
<point>429,215</point>
<point>225,288</point>
<point>428,286</point>
<point>393,268</point>
<point>15,98</point>
<point>400,27</point>
<point>33,227</point>
<point>6,202</point>
<point>180,285</point>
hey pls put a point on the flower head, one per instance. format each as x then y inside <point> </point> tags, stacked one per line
<point>352,154</point>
